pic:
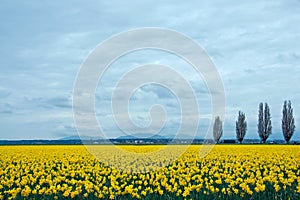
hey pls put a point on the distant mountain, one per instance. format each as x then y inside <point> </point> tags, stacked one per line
<point>155,137</point>
<point>141,136</point>
<point>126,137</point>
<point>73,137</point>
<point>77,137</point>
<point>158,137</point>
<point>183,136</point>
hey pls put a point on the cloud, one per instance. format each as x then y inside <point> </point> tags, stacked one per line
<point>4,93</point>
<point>254,45</point>
<point>159,91</point>
<point>6,109</point>
<point>63,102</point>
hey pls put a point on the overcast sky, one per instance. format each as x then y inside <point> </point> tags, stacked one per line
<point>255,46</point>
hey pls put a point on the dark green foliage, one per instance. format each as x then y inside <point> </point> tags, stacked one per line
<point>288,121</point>
<point>218,129</point>
<point>241,127</point>
<point>264,122</point>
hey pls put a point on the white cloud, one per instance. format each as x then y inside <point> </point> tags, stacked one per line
<point>254,44</point>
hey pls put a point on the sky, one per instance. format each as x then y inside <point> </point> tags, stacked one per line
<point>255,46</point>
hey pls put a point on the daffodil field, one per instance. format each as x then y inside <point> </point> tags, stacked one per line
<point>227,172</point>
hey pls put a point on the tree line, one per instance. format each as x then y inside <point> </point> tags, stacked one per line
<point>264,126</point>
